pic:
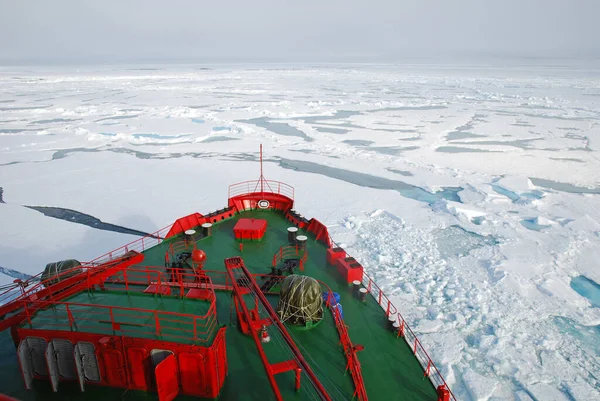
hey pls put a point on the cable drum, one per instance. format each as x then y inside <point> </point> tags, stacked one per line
<point>300,301</point>
<point>58,271</point>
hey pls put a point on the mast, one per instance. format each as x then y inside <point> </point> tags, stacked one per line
<point>262,177</point>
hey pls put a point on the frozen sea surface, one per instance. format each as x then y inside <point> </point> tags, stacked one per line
<point>469,193</point>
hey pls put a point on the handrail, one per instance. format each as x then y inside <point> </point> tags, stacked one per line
<point>431,371</point>
<point>118,317</point>
<point>287,250</point>
<point>48,286</point>
<point>151,275</point>
<point>138,245</point>
<point>349,349</point>
<point>254,186</point>
<point>140,275</point>
<point>418,350</point>
<point>235,263</point>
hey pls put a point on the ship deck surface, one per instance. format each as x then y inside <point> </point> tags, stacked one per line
<point>389,368</point>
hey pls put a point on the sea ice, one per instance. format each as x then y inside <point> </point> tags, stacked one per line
<point>490,299</point>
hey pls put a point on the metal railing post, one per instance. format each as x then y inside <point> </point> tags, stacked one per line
<point>157,323</point>
<point>70,317</point>
<point>112,318</point>
<point>27,313</point>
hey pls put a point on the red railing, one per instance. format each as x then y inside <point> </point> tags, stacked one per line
<point>409,336</point>
<point>430,370</point>
<point>236,270</point>
<point>35,287</point>
<point>288,251</point>
<point>138,278</point>
<point>129,321</point>
<point>176,248</point>
<point>139,245</point>
<point>270,186</point>
<point>135,322</point>
<point>350,350</point>
<point>223,282</point>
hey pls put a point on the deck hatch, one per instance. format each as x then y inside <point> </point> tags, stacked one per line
<point>52,365</point>
<point>26,363</point>
<point>167,383</point>
<point>63,353</point>
<point>86,363</point>
<point>36,347</point>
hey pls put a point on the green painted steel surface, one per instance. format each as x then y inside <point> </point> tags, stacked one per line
<point>92,314</point>
<point>389,369</point>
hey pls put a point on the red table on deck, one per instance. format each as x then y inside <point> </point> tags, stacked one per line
<point>252,229</point>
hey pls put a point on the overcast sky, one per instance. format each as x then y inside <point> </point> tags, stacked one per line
<point>298,30</point>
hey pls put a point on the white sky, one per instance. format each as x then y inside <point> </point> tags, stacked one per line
<point>295,30</point>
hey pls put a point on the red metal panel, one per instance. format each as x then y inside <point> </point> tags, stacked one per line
<point>167,383</point>
<point>137,363</point>
<point>250,228</point>
<point>185,223</point>
<point>350,269</point>
<point>118,370</point>
<point>334,254</point>
<point>192,374</point>
<point>115,370</point>
<point>220,352</point>
<point>197,293</point>
<point>320,231</point>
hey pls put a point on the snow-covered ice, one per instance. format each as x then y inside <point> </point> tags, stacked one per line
<point>471,195</point>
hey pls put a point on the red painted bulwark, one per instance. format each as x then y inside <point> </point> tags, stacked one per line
<point>251,229</point>
<point>167,382</point>
<point>202,370</point>
<point>320,231</point>
<point>186,223</point>
<point>250,201</point>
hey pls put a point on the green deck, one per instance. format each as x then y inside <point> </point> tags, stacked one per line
<point>389,369</point>
<point>134,324</point>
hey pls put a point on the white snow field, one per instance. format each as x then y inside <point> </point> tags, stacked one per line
<point>471,194</point>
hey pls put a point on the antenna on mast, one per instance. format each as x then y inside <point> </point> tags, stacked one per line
<point>262,177</point>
